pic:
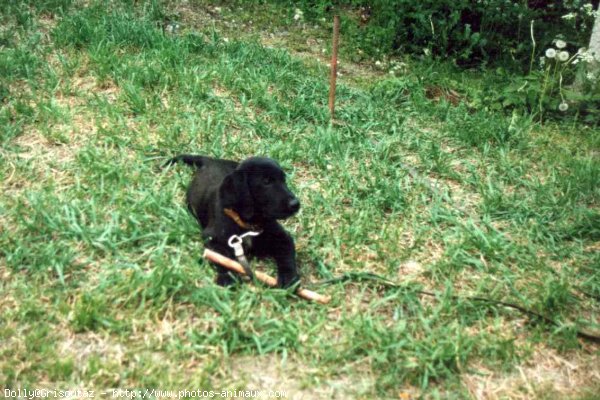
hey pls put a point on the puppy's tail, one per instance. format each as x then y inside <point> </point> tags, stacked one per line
<point>189,159</point>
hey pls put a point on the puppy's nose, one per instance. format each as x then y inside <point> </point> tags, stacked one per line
<point>294,205</point>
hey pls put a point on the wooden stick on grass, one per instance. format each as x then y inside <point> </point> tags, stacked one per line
<point>334,55</point>
<point>264,278</point>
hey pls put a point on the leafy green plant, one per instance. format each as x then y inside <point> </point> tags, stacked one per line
<point>470,31</point>
<point>563,86</point>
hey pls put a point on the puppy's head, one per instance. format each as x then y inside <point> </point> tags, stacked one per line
<point>257,191</point>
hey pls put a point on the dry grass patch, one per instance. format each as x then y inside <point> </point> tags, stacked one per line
<point>47,157</point>
<point>81,346</point>
<point>299,381</point>
<point>547,373</point>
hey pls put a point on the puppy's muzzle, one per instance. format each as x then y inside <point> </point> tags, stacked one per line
<point>293,205</point>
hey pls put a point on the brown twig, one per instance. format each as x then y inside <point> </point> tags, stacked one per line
<point>582,332</point>
<point>264,278</point>
<point>334,54</point>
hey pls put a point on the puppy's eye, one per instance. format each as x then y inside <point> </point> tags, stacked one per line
<point>267,180</point>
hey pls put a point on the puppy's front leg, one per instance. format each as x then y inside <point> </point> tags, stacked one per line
<point>279,245</point>
<point>224,276</point>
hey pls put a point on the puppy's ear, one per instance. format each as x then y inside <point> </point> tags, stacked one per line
<point>235,194</point>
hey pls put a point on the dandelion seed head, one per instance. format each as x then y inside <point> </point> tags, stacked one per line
<point>563,106</point>
<point>560,44</point>
<point>563,56</point>
<point>550,53</point>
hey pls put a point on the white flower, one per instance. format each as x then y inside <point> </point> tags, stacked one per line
<point>585,55</point>
<point>563,55</point>
<point>550,53</point>
<point>590,76</point>
<point>298,14</point>
<point>563,106</point>
<point>560,44</point>
<point>542,61</point>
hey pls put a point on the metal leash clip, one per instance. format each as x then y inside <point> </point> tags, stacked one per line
<point>235,242</point>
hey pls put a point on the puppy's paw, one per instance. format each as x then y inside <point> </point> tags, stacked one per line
<point>286,281</point>
<point>225,280</point>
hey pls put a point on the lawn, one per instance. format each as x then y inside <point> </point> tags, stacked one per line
<point>102,285</point>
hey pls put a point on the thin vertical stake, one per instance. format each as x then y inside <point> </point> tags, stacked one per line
<point>334,53</point>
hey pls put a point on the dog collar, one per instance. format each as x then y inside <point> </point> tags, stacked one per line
<point>238,220</point>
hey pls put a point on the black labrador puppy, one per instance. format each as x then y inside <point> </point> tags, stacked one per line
<point>230,198</point>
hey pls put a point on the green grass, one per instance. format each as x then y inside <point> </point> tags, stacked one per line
<point>100,276</point>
